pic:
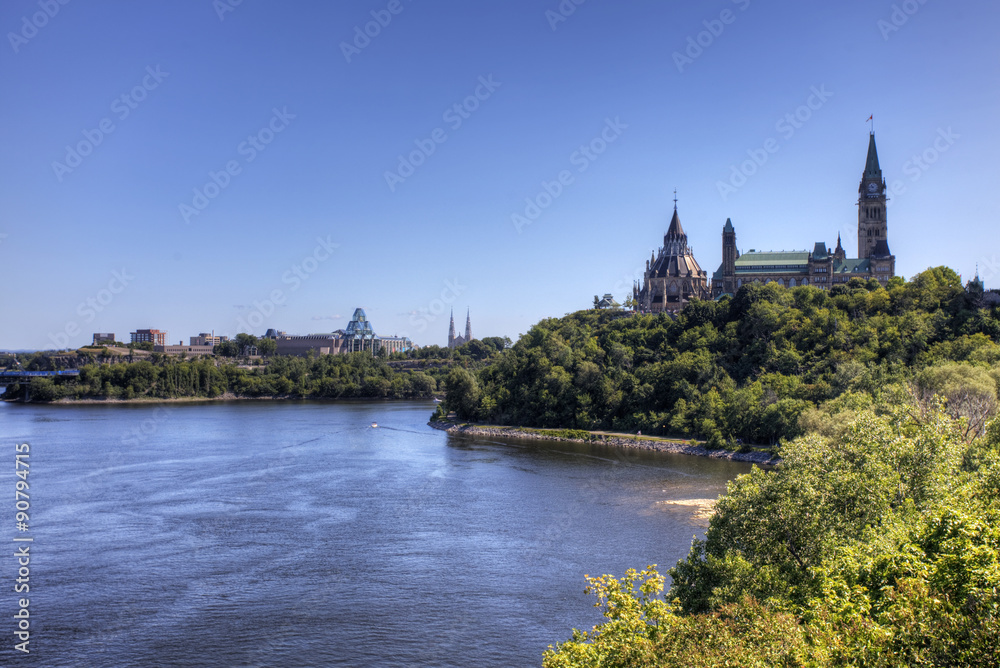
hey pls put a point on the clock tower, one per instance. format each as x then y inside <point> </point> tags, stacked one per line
<point>872,226</point>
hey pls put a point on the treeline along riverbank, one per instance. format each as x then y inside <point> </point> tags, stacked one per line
<point>767,364</point>
<point>357,375</point>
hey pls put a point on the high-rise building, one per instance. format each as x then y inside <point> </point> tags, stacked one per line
<point>154,336</point>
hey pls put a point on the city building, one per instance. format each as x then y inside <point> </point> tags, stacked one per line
<point>180,348</point>
<point>206,339</point>
<point>456,341</point>
<point>672,277</point>
<point>154,336</point>
<point>820,267</point>
<point>359,336</point>
<point>606,302</point>
<point>103,338</point>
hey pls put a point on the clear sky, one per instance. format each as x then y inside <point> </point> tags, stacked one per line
<point>194,165</point>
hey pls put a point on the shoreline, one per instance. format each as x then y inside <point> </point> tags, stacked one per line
<point>195,400</point>
<point>654,444</point>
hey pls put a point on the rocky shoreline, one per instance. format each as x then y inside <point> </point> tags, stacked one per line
<point>762,458</point>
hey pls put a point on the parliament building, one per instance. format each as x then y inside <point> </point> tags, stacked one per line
<point>673,277</point>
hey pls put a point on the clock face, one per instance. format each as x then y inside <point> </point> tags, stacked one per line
<point>872,187</point>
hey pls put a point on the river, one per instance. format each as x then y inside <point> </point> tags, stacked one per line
<point>295,534</point>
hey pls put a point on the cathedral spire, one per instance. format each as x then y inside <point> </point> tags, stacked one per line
<point>451,330</point>
<point>468,325</point>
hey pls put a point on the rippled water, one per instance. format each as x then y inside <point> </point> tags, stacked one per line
<point>294,534</point>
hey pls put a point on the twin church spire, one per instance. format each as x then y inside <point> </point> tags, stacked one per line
<point>456,341</point>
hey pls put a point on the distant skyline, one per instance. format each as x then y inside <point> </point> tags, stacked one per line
<point>213,164</point>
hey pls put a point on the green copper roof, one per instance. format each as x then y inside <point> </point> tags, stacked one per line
<point>771,262</point>
<point>772,258</point>
<point>872,170</point>
<point>852,265</point>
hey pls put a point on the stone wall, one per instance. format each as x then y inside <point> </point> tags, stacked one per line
<point>762,458</point>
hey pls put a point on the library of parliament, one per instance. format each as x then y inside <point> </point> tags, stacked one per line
<point>673,277</point>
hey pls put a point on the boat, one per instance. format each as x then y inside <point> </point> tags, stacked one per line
<point>374,425</point>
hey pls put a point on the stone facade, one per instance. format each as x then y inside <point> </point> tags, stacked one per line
<point>820,267</point>
<point>673,277</point>
<point>359,336</point>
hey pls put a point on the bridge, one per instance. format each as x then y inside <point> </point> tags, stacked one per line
<point>9,377</point>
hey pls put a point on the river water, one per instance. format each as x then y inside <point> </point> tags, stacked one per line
<point>295,534</point>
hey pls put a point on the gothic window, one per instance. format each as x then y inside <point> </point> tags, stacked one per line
<point>791,282</point>
<point>805,281</point>
<point>739,283</point>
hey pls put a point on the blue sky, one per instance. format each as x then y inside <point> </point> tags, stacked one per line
<point>202,165</point>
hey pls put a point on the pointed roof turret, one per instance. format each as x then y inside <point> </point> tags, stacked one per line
<point>729,226</point>
<point>872,170</point>
<point>675,229</point>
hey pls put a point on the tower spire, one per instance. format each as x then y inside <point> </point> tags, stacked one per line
<point>872,228</point>
<point>451,330</point>
<point>468,325</point>
<point>872,169</point>
<point>675,199</point>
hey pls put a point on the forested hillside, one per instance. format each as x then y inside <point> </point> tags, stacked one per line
<point>873,543</point>
<point>766,364</point>
<point>874,546</point>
